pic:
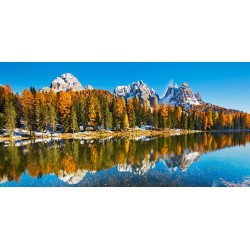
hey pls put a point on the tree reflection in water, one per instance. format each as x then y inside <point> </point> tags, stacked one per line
<point>71,160</point>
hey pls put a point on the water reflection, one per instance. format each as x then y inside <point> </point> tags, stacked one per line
<point>72,160</point>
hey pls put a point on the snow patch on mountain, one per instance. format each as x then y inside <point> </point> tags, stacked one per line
<point>66,82</point>
<point>181,96</point>
<point>136,89</point>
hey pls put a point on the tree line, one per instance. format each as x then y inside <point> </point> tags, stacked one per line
<point>99,109</point>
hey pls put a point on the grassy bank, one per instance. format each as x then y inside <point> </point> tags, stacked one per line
<point>105,134</point>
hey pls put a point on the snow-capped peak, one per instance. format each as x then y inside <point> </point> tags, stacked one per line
<point>136,89</point>
<point>64,83</point>
<point>182,96</point>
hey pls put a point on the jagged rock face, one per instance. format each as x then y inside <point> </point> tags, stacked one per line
<point>65,83</point>
<point>136,89</point>
<point>198,96</point>
<point>182,96</point>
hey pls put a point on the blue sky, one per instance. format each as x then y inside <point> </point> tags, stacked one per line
<point>224,84</point>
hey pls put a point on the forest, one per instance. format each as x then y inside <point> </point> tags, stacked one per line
<point>99,109</point>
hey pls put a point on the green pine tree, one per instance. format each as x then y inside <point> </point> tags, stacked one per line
<point>10,117</point>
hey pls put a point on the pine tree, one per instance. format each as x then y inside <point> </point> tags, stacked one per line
<point>155,113</point>
<point>138,111</point>
<point>10,117</point>
<point>191,121</point>
<point>73,121</point>
<point>109,120</point>
<point>1,120</point>
<point>184,120</point>
<point>52,118</point>
<point>146,113</point>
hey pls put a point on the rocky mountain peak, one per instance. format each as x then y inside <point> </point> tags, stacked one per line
<point>66,82</point>
<point>136,89</point>
<point>181,96</point>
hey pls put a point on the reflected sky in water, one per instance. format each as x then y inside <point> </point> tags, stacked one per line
<point>188,160</point>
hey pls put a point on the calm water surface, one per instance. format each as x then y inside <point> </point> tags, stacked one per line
<point>211,159</point>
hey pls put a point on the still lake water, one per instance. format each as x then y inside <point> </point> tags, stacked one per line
<point>205,159</point>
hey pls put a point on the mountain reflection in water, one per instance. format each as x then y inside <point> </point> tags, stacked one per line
<point>113,162</point>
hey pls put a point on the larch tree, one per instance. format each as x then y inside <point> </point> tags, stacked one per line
<point>163,115</point>
<point>65,104</point>
<point>209,119</point>
<point>125,121</point>
<point>131,113</point>
<point>28,108</point>
<point>91,112</point>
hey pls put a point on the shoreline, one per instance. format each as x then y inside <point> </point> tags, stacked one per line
<point>89,135</point>
<point>105,134</point>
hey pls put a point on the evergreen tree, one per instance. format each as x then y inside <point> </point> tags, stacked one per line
<point>138,111</point>
<point>52,118</point>
<point>191,121</point>
<point>156,113</point>
<point>10,117</point>
<point>184,120</point>
<point>146,113</point>
<point>1,120</point>
<point>73,121</point>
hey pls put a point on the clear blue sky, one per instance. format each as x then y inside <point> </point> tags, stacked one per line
<point>224,84</point>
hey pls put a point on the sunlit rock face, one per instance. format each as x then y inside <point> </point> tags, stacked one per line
<point>66,82</point>
<point>72,178</point>
<point>181,96</point>
<point>136,89</point>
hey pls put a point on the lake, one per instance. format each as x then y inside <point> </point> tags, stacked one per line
<point>194,160</point>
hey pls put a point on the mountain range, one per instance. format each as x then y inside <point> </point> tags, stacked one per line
<point>177,96</point>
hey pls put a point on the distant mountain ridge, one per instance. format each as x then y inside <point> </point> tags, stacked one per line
<point>177,96</point>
